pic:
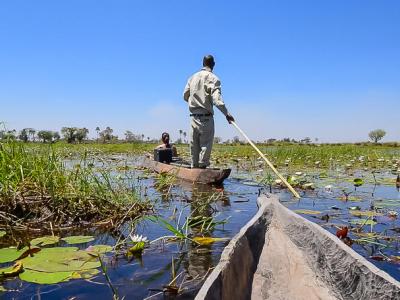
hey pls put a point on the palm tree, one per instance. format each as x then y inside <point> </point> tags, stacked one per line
<point>180,135</point>
<point>32,132</point>
<point>98,131</point>
<point>184,136</point>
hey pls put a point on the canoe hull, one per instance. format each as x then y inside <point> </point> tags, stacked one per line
<point>204,176</point>
<point>246,272</point>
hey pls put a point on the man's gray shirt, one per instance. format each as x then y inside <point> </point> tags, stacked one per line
<point>202,91</point>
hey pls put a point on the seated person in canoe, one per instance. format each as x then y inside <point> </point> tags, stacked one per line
<point>167,145</point>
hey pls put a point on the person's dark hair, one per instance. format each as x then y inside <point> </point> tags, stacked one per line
<point>208,61</point>
<point>164,134</point>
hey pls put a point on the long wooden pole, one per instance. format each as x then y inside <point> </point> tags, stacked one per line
<point>267,161</point>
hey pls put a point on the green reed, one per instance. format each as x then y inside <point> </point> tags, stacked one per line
<point>36,184</point>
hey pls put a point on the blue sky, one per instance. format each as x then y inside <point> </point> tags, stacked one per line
<point>325,69</point>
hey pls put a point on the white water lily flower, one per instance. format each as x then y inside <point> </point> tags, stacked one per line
<point>381,159</point>
<point>328,188</point>
<point>298,173</point>
<point>138,238</point>
<point>317,162</point>
<point>392,213</point>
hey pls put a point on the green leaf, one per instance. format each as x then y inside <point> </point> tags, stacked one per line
<point>58,250</point>
<point>358,182</point>
<point>11,254</point>
<point>2,289</point>
<point>62,266</point>
<point>354,207</point>
<point>208,240</point>
<point>45,240</point>
<point>44,277</point>
<point>99,249</point>
<point>358,213</point>
<point>11,271</point>
<point>2,233</point>
<point>61,259</point>
<point>362,222</point>
<point>85,274</point>
<point>308,186</point>
<point>78,239</point>
<point>307,212</point>
<point>137,248</point>
<point>250,183</point>
<point>292,180</point>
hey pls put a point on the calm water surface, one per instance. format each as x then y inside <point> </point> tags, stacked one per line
<point>146,277</point>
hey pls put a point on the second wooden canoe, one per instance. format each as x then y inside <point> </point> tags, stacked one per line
<point>281,255</point>
<point>182,171</point>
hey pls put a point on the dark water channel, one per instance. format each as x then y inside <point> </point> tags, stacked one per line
<point>146,277</point>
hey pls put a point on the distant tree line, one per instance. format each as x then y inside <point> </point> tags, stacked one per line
<point>71,135</point>
<point>80,135</point>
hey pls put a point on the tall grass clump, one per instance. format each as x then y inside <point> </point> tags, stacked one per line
<point>36,186</point>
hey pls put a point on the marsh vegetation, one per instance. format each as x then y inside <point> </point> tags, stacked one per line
<point>165,236</point>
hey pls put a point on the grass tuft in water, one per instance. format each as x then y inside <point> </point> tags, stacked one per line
<point>37,187</point>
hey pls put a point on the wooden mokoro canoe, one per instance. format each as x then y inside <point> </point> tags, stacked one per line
<point>183,171</point>
<point>280,255</point>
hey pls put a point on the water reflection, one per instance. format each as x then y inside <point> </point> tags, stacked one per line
<point>199,259</point>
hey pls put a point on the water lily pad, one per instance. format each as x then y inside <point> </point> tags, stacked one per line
<point>78,239</point>
<point>362,222</point>
<point>58,250</point>
<point>307,212</point>
<point>292,180</point>
<point>351,198</point>
<point>61,259</point>
<point>11,271</point>
<point>2,233</point>
<point>99,249</point>
<point>308,186</point>
<point>323,175</point>
<point>208,240</point>
<point>45,240</point>
<point>85,274</point>
<point>11,254</point>
<point>250,183</point>
<point>62,266</point>
<point>359,213</point>
<point>387,203</point>
<point>44,277</point>
<point>358,182</point>
<point>354,207</point>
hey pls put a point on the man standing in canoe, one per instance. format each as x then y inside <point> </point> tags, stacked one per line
<point>202,91</point>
